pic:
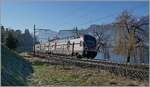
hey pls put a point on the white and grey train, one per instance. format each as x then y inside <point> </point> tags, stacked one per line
<point>83,46</point>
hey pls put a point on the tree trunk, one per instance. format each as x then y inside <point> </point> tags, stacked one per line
<point>128,57</point>
<point>142,55</point>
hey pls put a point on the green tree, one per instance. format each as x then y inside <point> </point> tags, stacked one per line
<point>2,34</point>
<point>27,41</point>
<point>11,41</point>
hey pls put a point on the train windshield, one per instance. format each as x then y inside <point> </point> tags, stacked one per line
<point>90,41</point>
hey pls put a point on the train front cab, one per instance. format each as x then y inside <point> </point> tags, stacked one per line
<point>89,46</point>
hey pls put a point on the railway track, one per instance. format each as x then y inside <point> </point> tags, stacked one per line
<point>128,70</point>
<point>96,61</point>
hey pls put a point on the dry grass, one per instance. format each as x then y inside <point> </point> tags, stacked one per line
<point>73,76</point>
<point>26,55</point>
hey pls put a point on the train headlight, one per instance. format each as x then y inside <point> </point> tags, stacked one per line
<point>81,38</point>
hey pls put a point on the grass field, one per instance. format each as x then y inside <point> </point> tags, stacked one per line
<point>76,76</point>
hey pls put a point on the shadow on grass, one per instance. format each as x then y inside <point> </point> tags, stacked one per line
<point>14,68</point>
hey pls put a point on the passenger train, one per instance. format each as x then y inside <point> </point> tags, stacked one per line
<point>83,46</point>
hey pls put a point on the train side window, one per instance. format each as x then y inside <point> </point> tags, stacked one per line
<point>68,43</point>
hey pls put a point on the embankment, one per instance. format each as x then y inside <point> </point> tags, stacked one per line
<point>14,68</point>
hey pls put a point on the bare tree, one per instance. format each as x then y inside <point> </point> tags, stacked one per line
<point>102,41</point>
<point>129,31</point>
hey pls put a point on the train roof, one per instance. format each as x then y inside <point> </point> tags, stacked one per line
<point>65,39</point>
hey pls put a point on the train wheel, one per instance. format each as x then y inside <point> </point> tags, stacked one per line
<point>93,55</point>
<point>72,54</point>
<point>85,53</point>
<point>79,56</point>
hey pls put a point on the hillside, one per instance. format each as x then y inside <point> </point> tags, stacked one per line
<point>44,35</point>
<point>14,69</point>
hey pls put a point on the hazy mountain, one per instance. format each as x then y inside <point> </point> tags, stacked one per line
<point>65,33</point>
<point>44,35</point>
<point>108,31</point>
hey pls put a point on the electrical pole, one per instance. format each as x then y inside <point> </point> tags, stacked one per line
<point>77,32</point>
<point>34,38</point>
<point>34,41</point>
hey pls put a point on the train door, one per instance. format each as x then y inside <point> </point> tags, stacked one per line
<point>68,48</point>
<point>40,47</point>
<point>48,47</point>
<point>55,51</point>
<point>72,48</point>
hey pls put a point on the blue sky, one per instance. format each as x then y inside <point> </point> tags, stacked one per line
<point>65,15</point>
